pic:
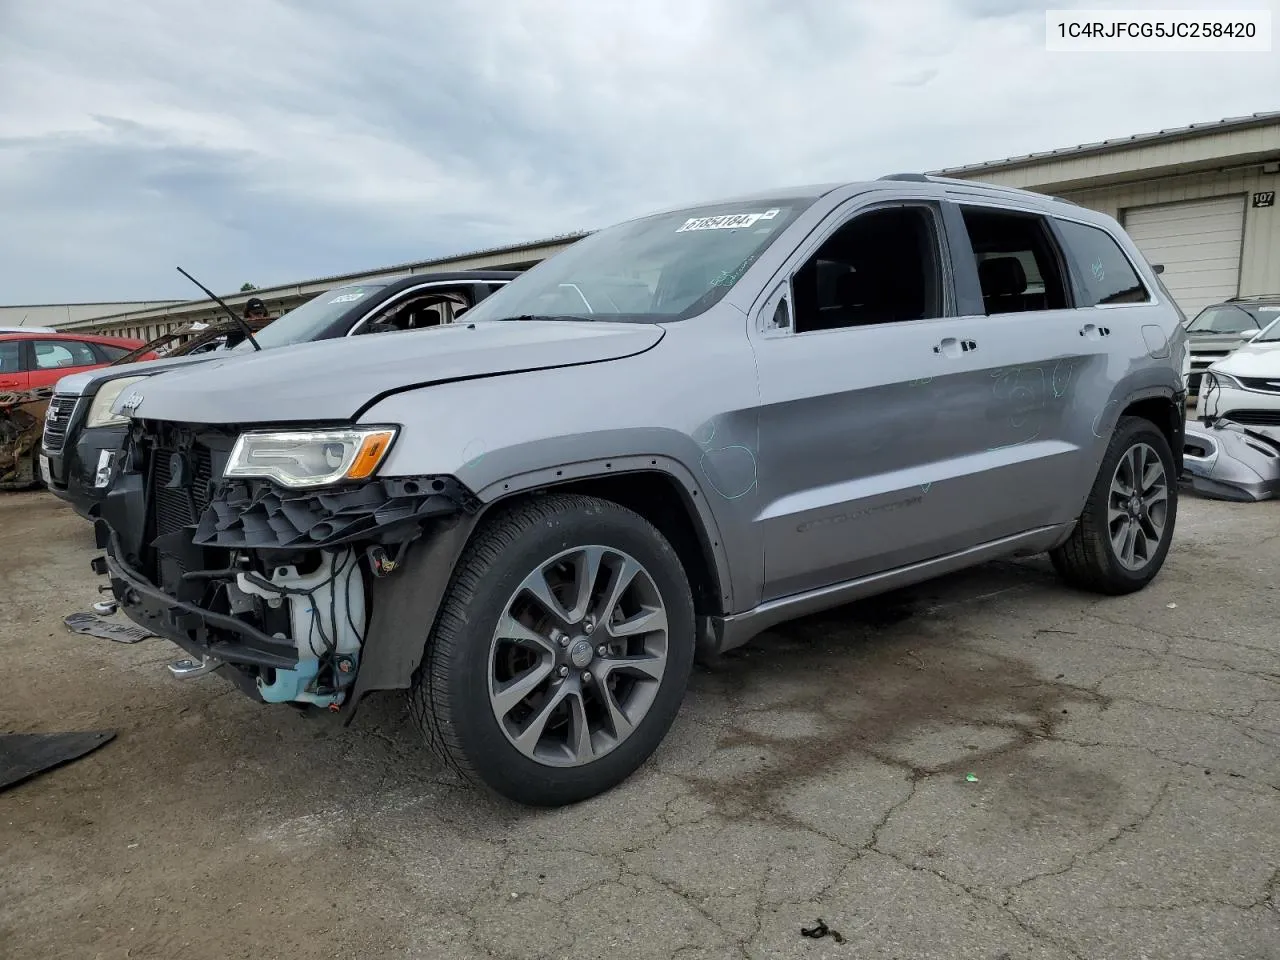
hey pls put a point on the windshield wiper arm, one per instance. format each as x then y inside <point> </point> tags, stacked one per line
<point>238,320</point>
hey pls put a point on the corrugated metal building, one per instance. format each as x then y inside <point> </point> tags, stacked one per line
<point>65,314</point>
<point>1198,199</point>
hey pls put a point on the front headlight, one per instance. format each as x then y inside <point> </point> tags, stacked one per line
<point>310,458</point>
<point>1219,379</point>
<point>100,414</point>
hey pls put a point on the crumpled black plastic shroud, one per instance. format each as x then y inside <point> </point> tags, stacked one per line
<point>258,514</point>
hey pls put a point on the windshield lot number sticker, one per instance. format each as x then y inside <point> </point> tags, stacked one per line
<point>726,221</point>
<point>348,297</point>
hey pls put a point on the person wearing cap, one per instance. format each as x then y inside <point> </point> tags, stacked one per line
<point>255,309</point>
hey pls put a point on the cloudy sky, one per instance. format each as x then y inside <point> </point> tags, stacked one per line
<point>277,140</point>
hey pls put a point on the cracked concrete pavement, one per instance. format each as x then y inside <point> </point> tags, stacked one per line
<point>1127,801</point>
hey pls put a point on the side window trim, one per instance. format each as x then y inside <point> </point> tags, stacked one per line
<point>765,304</point>
<point>1124,252</point>
<point>964,263</point>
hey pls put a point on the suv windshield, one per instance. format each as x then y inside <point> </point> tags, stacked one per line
<point>665,267</point>
<point>1224,318</point>
<point>1271,331</point>
<point>303,323</point>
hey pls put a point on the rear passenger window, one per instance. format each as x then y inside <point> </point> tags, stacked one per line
<point>54,354</point>
<point>1018,264</point>
<point>1105,272</point>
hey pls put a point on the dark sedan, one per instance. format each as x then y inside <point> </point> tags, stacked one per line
<point>82,436</point>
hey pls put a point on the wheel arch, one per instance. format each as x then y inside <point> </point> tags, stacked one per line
<point>1167,411</point>
<point>662,491</point>
<point>405,605</point>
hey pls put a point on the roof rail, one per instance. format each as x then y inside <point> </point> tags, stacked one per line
<point>998,188</point>
<point>1252,296</point>
<point>914,177</point>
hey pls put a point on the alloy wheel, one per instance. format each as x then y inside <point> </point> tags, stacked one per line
<point>1137,506</point>
<point>578,656</point>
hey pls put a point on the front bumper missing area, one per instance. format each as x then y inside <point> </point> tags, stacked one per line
<point>202,633</point>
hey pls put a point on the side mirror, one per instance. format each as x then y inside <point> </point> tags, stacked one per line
<point>1249,335</point>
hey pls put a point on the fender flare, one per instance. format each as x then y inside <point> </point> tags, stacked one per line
<point>1105,423</point>
<point>409,599</point>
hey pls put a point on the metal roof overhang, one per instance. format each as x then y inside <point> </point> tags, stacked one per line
<point>1201,148</point>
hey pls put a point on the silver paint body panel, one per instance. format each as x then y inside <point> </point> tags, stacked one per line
<point>822,466</point>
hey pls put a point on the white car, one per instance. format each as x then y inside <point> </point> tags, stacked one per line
<point>1244,386</point>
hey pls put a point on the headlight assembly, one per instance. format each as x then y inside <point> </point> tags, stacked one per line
<point>1216,378</point>
<point>100,414</point>
<point>310,458</point>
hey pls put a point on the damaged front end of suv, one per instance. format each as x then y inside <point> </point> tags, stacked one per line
<point>257,550</point>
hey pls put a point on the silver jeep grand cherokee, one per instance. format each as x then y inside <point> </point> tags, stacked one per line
<point>677,433</point>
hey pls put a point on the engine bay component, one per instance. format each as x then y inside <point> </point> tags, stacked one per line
<point>327,618</point>
<point>1226,461</point>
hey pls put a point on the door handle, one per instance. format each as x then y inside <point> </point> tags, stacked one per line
<point>951,347</point>
<point>1094,332</point>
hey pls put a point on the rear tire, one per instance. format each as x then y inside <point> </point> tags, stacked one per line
<point>554,700</point>
<point>1123,535</point>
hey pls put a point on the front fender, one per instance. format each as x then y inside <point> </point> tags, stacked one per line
<point>688,409</point>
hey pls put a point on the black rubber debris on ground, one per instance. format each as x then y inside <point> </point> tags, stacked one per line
<point>92,625</point>
<point>23,755</point>
<point>820,931</point>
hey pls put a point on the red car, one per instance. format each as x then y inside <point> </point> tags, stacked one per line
<point>40,358</point>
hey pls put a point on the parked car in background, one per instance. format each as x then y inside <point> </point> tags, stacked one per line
<point>81,435</point>
<point>31,359</point>
<point>1219,329</point>
<point>531,520</point>
<point>1245,385</point>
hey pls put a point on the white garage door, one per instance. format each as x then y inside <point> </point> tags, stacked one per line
<point>1198,242</point>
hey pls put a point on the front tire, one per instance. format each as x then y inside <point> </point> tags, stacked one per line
<point>561,653</point>
<point>1123,535</point>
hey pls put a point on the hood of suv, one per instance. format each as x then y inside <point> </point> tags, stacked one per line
<point>332,380</point>
<point>86,384</point>
<point>1216,342</point>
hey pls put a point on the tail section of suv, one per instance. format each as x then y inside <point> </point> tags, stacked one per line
<point>804,398</point>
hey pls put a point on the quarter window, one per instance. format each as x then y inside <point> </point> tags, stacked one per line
<point>1018,265</point>
<point>112,352</point>
<point>880,267</point>
<point>55,354</point>
<point>1105,272</point>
